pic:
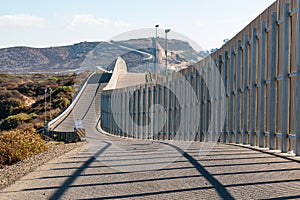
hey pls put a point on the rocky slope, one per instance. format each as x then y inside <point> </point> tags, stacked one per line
<point>138,54</point>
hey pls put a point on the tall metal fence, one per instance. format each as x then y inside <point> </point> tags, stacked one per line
<point>260,70</point>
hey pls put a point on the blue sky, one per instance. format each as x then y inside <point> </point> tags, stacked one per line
<point>40,23</point>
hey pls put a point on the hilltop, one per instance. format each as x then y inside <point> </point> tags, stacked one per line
<point>138,53</point>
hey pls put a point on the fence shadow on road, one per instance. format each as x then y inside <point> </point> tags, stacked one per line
<point>59,193</point>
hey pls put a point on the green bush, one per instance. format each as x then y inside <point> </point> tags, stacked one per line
<point>64,88</point>
<point>52,79</point>
<point>33,115</point>
<point>5,75</point>
<point>14,121</point>
<point>19,145</point>
<point>61,103</point>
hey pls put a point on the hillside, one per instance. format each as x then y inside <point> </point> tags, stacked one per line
<point>22,98</point>
<point>94,55</point>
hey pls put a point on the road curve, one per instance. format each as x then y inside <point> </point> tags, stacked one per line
<point>89,97</point>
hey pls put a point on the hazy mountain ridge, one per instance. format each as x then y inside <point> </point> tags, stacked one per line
<point>137,53</point>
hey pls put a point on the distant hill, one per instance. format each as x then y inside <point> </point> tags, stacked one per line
<point>138,54</point>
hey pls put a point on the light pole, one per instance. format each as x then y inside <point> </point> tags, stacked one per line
<point>166,51</point>
<point>50,90</point>
<point>155,56</point>
<point>45,106</point>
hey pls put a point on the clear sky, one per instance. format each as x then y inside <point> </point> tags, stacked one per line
<point>44,23</point>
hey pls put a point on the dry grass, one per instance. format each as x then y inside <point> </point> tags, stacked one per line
<point>17,145</point>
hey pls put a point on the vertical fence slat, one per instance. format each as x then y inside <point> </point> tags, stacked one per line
<point>131,103</point>
<point>253,88</point>
<point>262,66</point>
<point>207,103</point>
<point>196,106</point>
<point>164,111</point>
<point>174,133</point>
<point>297,149</point>
<point>201,104</point>
<point>159,112</point>
<point>213,99</point>
<point>152,100</point>
<point>190,108</point>
<point>225,130</point>
<point>238,93</point>
<point>169,108</point>
<point>220,100</point>
<point>245,88</point>
<point>141,109</point>
<point>180,110</point>
<point>231,122</point>
<point>285,68</point>
<point>183,119</point>
<point>273,68</point>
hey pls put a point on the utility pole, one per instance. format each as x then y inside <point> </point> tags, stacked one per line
<point>50,90</point>
<point>45,106</point>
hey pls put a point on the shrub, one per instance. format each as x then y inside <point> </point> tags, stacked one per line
<point>5,75</point>
<point>61,103</point>
<point>14,121</point>
<point>64,88</point>
<point>52,79</point>
<point>33,115</point>
<point>19,145</point>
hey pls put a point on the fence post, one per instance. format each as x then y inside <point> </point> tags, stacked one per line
<point>159,112</point>
<point>124,112</point>
<point>245,89</point>
<point>213,66</point>
<point>273,58</point>
<point>231,95</point>
<point>138,112</point>
<point>128,113</point>
<point>227,94</point>
<point>141,111</point>
<point>185,103</point>
<point>196,106</point>
<point>133,112</point>
<point>169,108</point>
<point>175,107</point>
<point>118,114</point>
<point>253,88</point>
<point>262,66</point>
<point>297,149</point>
<point>220,98</point>
<point>190,107</point>
<point>154,121</point>
<point>207,101</point>
<point>114,113</point>
<point>238,93</point>
<point>110,113</point>
<point>131,103</point>
<point>149,113</point>
<point>201,103</point>
<point>285,71</point>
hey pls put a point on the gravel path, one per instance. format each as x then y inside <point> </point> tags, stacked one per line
<point>10,174</point>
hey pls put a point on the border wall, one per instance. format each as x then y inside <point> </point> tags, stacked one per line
<point>260,69</point>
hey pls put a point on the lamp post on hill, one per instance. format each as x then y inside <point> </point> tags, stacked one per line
<point>50,91</point>
<point>45,106</point>
<point>166,51</point>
